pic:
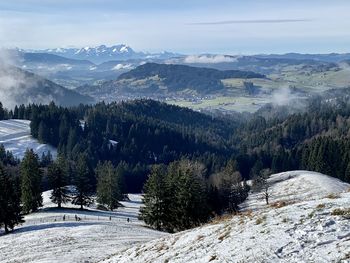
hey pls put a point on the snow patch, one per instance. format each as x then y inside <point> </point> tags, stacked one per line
<point>16,138</point>
<point>54,235</point>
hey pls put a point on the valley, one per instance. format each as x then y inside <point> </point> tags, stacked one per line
<point>99,73</point>
<point>174,131</point>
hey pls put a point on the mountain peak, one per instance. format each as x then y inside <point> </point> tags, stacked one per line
<point>103,53</point>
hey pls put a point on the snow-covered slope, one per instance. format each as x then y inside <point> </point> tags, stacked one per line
<point>301,225</point>
<point>46,237</point>
<point>15,136</point>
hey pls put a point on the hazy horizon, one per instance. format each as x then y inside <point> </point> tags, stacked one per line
<point>220,27</point>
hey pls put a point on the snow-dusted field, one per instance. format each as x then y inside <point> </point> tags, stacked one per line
<point>298,226</point>
<point>302,229</point>
<point>15,136</point>
<point>45,237</point>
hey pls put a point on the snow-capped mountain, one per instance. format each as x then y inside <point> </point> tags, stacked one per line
<point>105,53</point>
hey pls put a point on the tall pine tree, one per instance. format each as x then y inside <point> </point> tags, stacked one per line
<point>57,175</point>
<point>10,203</point>
<point>108,190</point>
<point>30,182</point>
<point>155,210</point>
<point>82,183</point>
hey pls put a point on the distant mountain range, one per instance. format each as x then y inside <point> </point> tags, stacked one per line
<point>104,53</point>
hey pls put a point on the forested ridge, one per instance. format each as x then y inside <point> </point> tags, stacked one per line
<point>315,139</point>
<point>186,162</point>
<point>181,77</point>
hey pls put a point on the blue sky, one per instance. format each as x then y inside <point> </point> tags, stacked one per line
<point>188,26</point>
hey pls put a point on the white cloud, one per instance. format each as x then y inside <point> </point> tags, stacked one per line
<point>122,66</point>
<point>209,59</point>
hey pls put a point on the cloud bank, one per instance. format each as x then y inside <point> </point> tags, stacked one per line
<point>209,59</point>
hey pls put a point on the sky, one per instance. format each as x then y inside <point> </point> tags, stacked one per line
<point>184,26</point>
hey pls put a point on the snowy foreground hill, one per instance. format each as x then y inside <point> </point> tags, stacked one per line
<point>15,136</point>
<point>308,221</point>
<point>48,237</point>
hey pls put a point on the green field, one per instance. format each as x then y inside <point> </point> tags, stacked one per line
<point>236,99</point>
<point>240,104</point>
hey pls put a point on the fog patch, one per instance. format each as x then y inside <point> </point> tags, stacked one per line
<point>122,66</point>
<point>17,85</point>
<point>284,96</point>
<point>209,59</point>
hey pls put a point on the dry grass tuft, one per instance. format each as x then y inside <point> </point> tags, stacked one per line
<point>341,212</point>
<point>332,196</point>
<point>320,206</point>
<point>221,219</point>
<point>279,204</point>
<point>200,237</point>
<point>260,220</point>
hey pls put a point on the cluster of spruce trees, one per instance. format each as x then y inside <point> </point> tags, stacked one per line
<point>180,196</point>
<point>10,207</point>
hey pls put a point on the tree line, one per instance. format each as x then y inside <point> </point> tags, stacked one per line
<point>178,196</point>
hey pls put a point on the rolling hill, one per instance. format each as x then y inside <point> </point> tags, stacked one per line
<point>163,79</point>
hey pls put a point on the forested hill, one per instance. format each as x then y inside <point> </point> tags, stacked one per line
<point>145,132</point>
<point>317,139</point>
<point>180,77</point>
<point>140,133</point>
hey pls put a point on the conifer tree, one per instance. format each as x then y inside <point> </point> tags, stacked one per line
<point>30,182</point>
<point>347,174</point>
<point>57,175</point>
<point>10,206</point>
<point>155,209</point>
<point>46,159</point>
<point>120,173</point>
<point>108,191</point>
<point>2,112</point>
<point>43,132</point>
<point>82,183</point>
<point>189,206</point>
